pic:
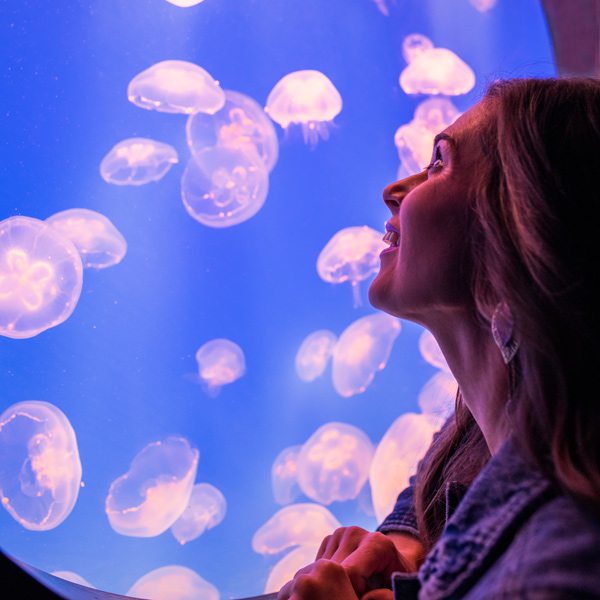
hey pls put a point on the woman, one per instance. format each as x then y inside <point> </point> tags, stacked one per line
<point>492,248</point>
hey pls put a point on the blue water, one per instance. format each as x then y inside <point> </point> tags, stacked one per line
<point>121,366</point>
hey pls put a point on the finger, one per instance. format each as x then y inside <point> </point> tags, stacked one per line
<point>286,591</point>
<point>380,594</point>
<point>350,541</point>
<point>323,548</point>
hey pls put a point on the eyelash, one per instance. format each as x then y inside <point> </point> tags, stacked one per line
<point>434,164</point>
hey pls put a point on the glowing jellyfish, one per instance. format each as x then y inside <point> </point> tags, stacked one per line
<point>176,86</point>
<point>284,475</point>
<point>433,70</point>
<point>98,241</point>
<point>295,525</point>
<point>151,496</point>
<point>137,161</point>
<point>224,186</point>
<point>396,458</point>
<point>438,396</point>
<point>173,583</point>
<point>483,5</point>
<point>220,362</point>
<point>241,124</point>
<point>414,140</point>
<point>431,351</point>
<point>352,254</point>
<point>40,277</point>
<point>72,577</point>
<point>334,463</point>
<point>363,349</point>
<point>382,7</point>
<point>289,565</point>
<point>40,471</point>
<point>185,3</point>
<point>314,354</point>
<point>206,509</point>
<point>305,98</point>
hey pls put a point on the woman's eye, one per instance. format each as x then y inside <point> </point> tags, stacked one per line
<point>437,163</point>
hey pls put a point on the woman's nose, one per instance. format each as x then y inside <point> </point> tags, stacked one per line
<point>394,193</point>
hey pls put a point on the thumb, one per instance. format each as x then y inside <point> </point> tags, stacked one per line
<point>381,594</point>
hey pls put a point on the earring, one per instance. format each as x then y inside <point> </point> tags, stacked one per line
<point>503,332</point>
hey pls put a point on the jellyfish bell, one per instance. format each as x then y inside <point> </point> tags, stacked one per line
<point>40,470</point>
<point>176,86</point>
<point>185,3</point>
<point>437,397</point>
<point>334,463</point>
<point>414,45</point>
<point>220,362</point>
<point>173,582</point>
<point>224,186</point>
<point>41,276</point>
<point>307,98</point>
<point>72,577</point>
<point>352,254</point>
<point>284,475</point>
<point>289,565</point>
<point>98,241</point>
<point>363,349</point>
<point>483,5</point>
<point>431,351</point>
<point>137,161</point>
<point>314,354</point>
<point>241,123</point>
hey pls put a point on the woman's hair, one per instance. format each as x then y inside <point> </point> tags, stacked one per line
<point>535,233</point>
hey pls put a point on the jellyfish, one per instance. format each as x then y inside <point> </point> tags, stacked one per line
<point>396,458</point>
<point>98,241</point>
<point>185,3</point>
<point>295,525</point>
<point>382,7</point>
<point>305,98</point>
<point>289,565</point>
<point>363,349</point>
<point>40,470</point>
<point>72,577</point>
<point>40,277</point>
<point>173,582</point>
<point>433,70</point>
<point>220,362</point>
<point>206,509</point>
<point>414,140</point>
<point>438,396</point>
<point>314,354</point>
<point>483,5</point>
<point>224,186</point>
<point>241,124</point>
<point>176,86</point>
<point>431,351</point>
<point>284,475</point>
<point>137,161</point>
<point>334,463</point>
<point>151,496</point>
<point>352,254</point>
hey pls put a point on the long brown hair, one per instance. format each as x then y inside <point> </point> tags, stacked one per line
<point>535,233</point>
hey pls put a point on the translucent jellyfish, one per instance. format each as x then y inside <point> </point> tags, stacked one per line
<point>241,124</point>
<point>314,354</point>
<point>289,565</point>
<point>206,509</point>
<point>40,277</point>
<point>151,496</point>
<point>438,396</point>
<point>220,362</point>
<point>363,349</point>
<point>396,458</point>
<point>414,140</point>
<point>185,3</point>
<point>224,186</point>
<point>137,161</point>
<point>334,463</point>
<point>173,583</point>
<point>433,70</point>
<point>176,86</point>
<point>352,254</point>
<point>305,98</point>
<point>483,5</point>
<point>40,470</point>
<point>72,577</point>
<point>431,351</point>
<point>284,475</point>
<point>303,524</point>
<point>98,241</point>
<point>382,6</point>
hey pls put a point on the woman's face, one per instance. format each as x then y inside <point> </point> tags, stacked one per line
<point>426,271</point>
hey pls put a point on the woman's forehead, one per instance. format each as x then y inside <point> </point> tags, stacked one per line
<point>469,121</point>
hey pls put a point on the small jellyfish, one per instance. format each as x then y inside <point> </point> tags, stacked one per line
<point>438,396</point>
<point>224,186</point>
<point>431,351</point>
<point>334,463</point>
<point>151,496</point>
<point>295,525</point>
<point>396,458</point>
<point>40,277</point>
<point>241,124</point>
<point>72,577</point>
<point>483,5</point>
<point>137,161</point>
<point>185,3</point>
<point>433,70</point>
<point>314,354</point>
<point>205,510</point>
<point>352,254</point>
<point>363,349</point>
<point>40,470</point>
<point>173,583</point>
<point>98,241</point>
<point>220,362</point>
<point>289,565</point>
<point>176,86</point>
<point>382,7</point>
<point>305,98</point>
<point>284,475</point>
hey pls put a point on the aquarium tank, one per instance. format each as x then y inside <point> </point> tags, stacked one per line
<point>194,388</point>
